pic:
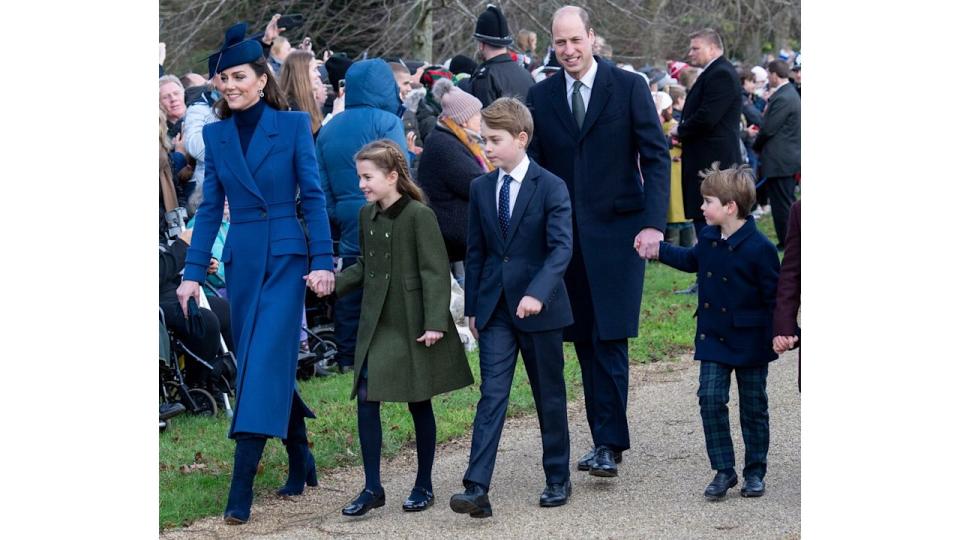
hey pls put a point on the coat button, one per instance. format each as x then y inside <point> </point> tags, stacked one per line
<point>706,305</point>
<point>723,310</point>
<point>506,259</point>
<point>703,337</point>
<point>724,278</point>
<point>721,340</point>
<point>263,213</point>
<point>709,274</point>
<point>386,235</point>
<point>371,274</point>
<point>371,232</point>
<point>714,244</point>
<point>730,248</point>
<point>387,255</point>
<point>371,253</point>
<point>387,276</point>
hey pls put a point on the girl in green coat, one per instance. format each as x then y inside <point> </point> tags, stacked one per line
<point>408,348</point>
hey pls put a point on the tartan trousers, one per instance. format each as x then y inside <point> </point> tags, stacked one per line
<point>714,393</point>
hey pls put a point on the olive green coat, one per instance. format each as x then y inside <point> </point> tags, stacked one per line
<point>405,274</point>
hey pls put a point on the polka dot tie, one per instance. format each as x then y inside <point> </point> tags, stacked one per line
<point>503,211</point>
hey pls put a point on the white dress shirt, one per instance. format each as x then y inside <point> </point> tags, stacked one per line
<point>517,175</point>
<point>585,90</point>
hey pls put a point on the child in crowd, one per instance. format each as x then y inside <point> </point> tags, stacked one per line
<point>737,268</point>
<point>408,348</point>
<point>519,243</point>
<point>679,228</point>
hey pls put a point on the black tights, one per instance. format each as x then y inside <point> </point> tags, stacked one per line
<point>371,439</point>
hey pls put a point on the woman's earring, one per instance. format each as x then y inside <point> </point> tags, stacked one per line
<point>261,92</point>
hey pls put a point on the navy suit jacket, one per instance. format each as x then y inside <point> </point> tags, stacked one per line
<point>530,261</point>
<point>613,198</point>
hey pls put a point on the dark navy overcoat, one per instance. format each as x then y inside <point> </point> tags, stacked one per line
<point>266,254</point>
<point>617,170</point>
<point>737,280</point>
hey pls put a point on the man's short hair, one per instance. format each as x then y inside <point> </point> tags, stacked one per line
<point>510,115</point>
<point>398,68</point>
<point>171,79</point>
<point>710,36</point>
<point>780,68</point>
<point>734,184</point>
<point>582,13</point>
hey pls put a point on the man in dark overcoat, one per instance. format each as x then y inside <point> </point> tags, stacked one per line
<point>593,126</point>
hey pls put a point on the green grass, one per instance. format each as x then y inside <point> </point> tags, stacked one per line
<point>666,330</point>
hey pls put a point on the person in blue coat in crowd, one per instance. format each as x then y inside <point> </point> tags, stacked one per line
<point>260,158</point>
<point>372,99</point>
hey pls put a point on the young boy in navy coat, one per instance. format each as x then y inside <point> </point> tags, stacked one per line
<point>737,268</point>
<point>519,242</point>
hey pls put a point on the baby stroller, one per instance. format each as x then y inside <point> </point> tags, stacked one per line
<point>321,351</point>
<point>212,387</point>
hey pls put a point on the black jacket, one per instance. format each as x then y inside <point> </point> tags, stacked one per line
<point>498,77</point>
<point>778,142</point>
<point>446,170</point>
<point>709,128</point>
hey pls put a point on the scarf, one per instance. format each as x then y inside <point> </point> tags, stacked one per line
<point>469,142</point>
<point>166,182</point>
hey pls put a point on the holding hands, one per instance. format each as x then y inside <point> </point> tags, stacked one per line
<point>430,337</point>
<point>782,344</point>
<point>647,243</point>
<point>321,282</point>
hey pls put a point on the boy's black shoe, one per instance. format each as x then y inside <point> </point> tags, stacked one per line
<point>752,487</point>
<point>603,464</point>
<point>587,459</point>
<point>555,494</point>
<point>474,502</point>
<point>367,500</point>
<point>723,481</point>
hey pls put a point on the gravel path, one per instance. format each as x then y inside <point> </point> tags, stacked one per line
<point>657,495</point>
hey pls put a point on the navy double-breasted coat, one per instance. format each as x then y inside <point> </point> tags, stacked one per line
<point>265,256</point>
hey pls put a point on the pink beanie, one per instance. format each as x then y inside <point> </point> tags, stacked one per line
<point>456,104</point>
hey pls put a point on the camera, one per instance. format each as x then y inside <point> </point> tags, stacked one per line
<point>176,221</point>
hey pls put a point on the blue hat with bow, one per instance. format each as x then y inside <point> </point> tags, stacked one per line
<point>235,50</point>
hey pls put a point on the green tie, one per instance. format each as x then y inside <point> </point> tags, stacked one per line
<point>579,111</point>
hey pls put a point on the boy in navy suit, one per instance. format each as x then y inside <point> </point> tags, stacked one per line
<point>519,242</point>
<point>737,269</point>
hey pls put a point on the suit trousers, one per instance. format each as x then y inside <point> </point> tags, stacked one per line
<point>714,393</point>
<point>543,359</point>
<point>782,190</point>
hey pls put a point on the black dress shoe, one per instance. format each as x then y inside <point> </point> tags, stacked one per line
<point>474,502</point>
<point>555,494</point>
<point>752,487</point>
<point>603,464</point>
<point>367,500</point>
<point>721,483</point>
<point>587,459</point>
<point>419,500</point>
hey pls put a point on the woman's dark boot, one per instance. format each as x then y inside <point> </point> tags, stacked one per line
<point>246,458</point>
<point>302,467</point>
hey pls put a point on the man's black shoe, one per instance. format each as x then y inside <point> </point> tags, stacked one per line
<point>474,502</point>
<point>587,459</point>
<point>555,494</point>
<point>752,487</point>
<point>603,463</point>
<point>721,483</point>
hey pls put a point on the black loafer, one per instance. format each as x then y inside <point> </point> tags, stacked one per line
<point>474,502</point>
<point>419,500</point>
<point>555,494</point>
<point>752,487</point>
<point>587,459</point>
<point>603,464</point>
<point>719,486</point>
<point>365,501</point>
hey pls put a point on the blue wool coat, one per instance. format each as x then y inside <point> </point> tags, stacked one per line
<point>737,280</point>
<point>617,170</point>
<point>265,256</point>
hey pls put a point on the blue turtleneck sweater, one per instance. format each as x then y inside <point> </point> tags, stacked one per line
<point>247,121</point>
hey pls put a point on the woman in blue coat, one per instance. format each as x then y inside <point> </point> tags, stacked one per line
<point>260,158</point>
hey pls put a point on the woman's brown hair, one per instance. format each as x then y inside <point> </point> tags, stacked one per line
<point>271,92</point>
<point>387,156</point>
<point>296,87</point>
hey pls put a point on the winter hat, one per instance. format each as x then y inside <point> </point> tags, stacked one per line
<point>462,64</point>
<point>433,74</point>
<point>662,101</point>
<point>457,105</point>
<point>337,66</point>
<point>552,63</point>
<point>674,67</point>
<point>492,28</point>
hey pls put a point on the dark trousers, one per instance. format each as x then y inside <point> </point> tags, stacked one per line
<point>782,190</point>
<point>605,371</point>
<point>714,393</point>
<point>543,359</point>
<point>346,321</point>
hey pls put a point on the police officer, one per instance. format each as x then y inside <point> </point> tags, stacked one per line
<point>499,75</point>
